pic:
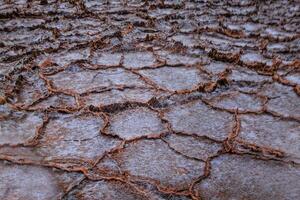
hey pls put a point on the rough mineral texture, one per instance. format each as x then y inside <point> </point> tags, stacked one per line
<point>159,100</point>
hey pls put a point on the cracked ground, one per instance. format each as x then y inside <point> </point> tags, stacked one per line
<point>160,100</point>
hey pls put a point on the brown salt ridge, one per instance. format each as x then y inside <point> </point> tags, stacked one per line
<point>149,100</point>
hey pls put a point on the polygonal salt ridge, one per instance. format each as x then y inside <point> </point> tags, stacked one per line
<point>107,189</point>
<point>106,167</point>
<point>75,136</point>
<point>136,123</point>
<point>173,197</point>
<point>142,59</point>
<point>80,35</point>
<point>155,161</point>
<point>244,177</point>
<point>247,80</point>
<point>246,74</point>
<point>194,6</point>
<point>172,58</point>
<point>278,35</point>
<point>156,193</point>
<point>245,3</point>
<point>118,96</point>
<point>6,68</point>
<point>237,101</point>
<point>186,26</point>
<point>29,37</point>
<point>216,67</point>
<point>75,79</point>
<point>283,53</point>
<point>271,132</point>
<point>65,8</point>
<point>280,9</point>
<point>215,39</point>
<point>219,42</point>
<point>232,29</point>
<point>65,57</point>
<point>18,127</point>
<point>166,101</point>
<point>286,68</point>
<point>294,46</point>
<point>173,4</point>
<point>247,43</point>
<point>278,47</point>
<point>145,43</point>
<point>197,118</point>
<point>34,182</point>
<point>21,23</point>
<point>185,39</point>
<point>292,27</point>
<point>54,101</point>
<point>204,19</point>
<point>95,6</point>
<point>237,33</point>
<point>282,100</point>
<point>45,46</point>
<point>253,59</point>
<point>65,24</point>
<point>21,154</point>
<point>230,55</point>
<point>193,146</point>
<point>5,111</point>
<point>29,88</point>
<point>161,13</point>
<point>241,11</point>
<point>7,8</point>
<point>163,27</point>
<point>106,59</point>
<point>251,28</point>
<point>293,77</point>
<point>176,78</point>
